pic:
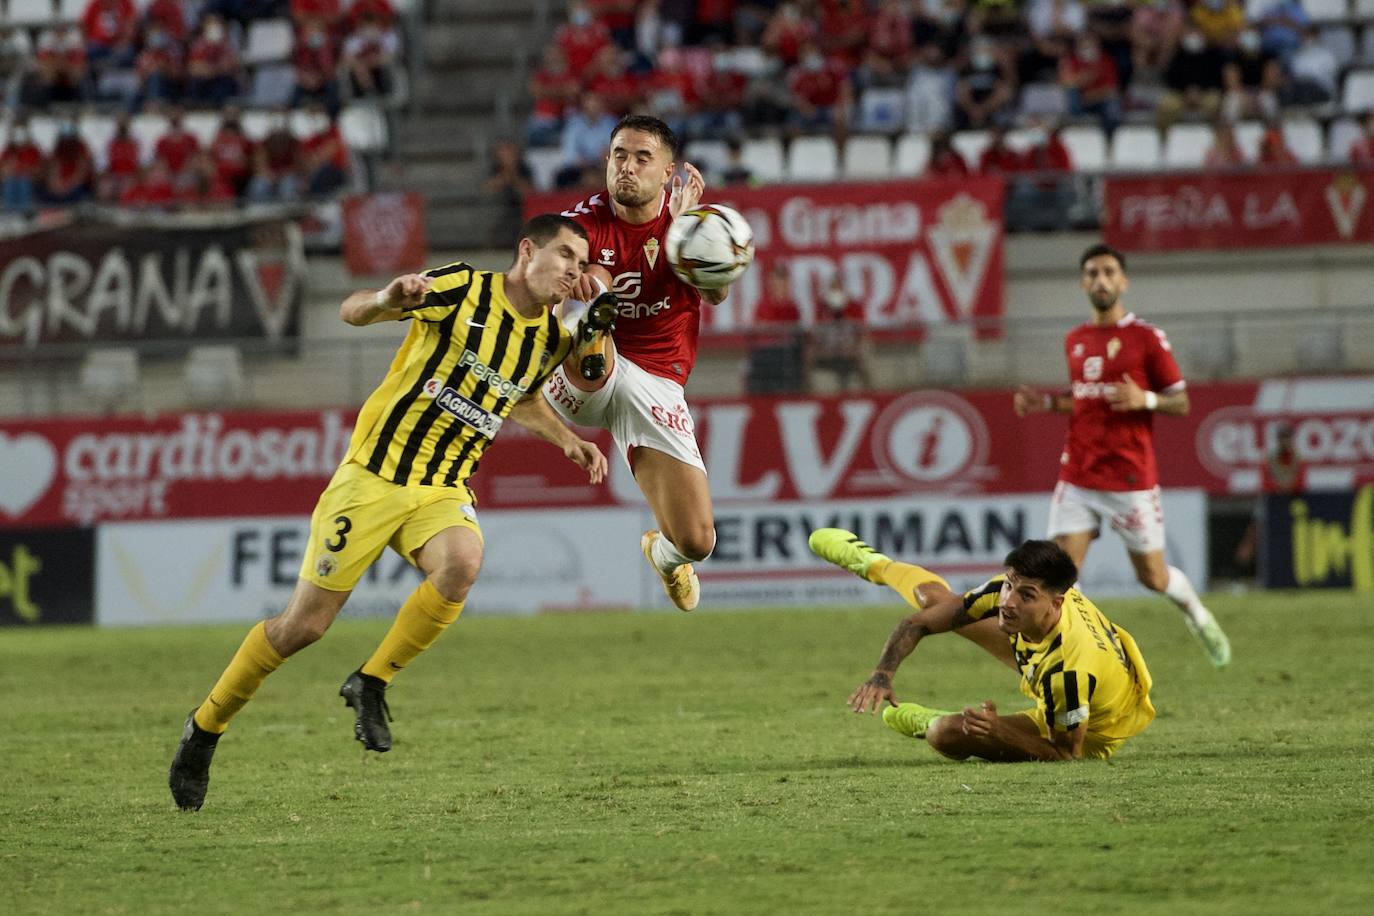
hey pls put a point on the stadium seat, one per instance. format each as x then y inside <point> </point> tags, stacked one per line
<point>72,10</point>
<point>1043,99</point>
<point>1187,145</point>
<point>256,124</point>
<point>912,155</point>
<point>1320,349</point>
<point>970,144</point>
<point>364,128</point>
<point>1340,41</point>
<point>31,12</point>
<point>1304,138</point>
<point>812,159</point>
<point>1249,135</point>
<point>544,165</point>
<point>268,41</point>
<point>882,111</point>
<point>96,130</point>
<point>204,124</point>
<point>1207,351</point>
<point>214,377</point>
<point>1326,10</point>
<point>1342,134</point>
<point>109,378</point>
<point>1366,53</point>
<point>944,356</point>
<point>306,123</point>
<point>1362,9</point>
<point>1136,147</point>
<point>147,129</point>
<point>43,129</point>
<point>707,155</point>
<point>273,86</point>
<point>1357,96</point>
<point>867,157</point>
<point>763,157</point>
<point>1087,147</point>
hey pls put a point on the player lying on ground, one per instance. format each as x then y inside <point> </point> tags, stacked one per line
<point>1089,682</point>
<point>480,347</point>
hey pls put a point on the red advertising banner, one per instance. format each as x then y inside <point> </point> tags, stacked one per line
<point>802,449</point>
<point>384,233</point>
<point>1239,210</point>
<point>916,253</point>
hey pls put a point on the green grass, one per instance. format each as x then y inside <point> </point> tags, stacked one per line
<point>703,763</point>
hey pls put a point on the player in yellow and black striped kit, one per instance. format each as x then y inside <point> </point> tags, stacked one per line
<point>479,347</point>
<point>1088,680</point>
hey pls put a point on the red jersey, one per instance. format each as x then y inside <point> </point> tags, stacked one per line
<point>1106,449</point>
<point>176,148</point>
<point>123,156</point>
<point>660,315</point>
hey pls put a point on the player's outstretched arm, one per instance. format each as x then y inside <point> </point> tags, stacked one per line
<point>1128,395</point>
<point>535,414</point>
<point>1028,400</point>
<point>937,617</point>
<point>369,306</point>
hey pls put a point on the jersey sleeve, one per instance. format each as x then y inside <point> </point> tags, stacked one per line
<point>1160,365</point>
<point>1066,695</point>
<point>982,601</point>
<point>450,286</point>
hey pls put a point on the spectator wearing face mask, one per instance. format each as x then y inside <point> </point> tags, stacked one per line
<point>159,67</point>
<point>233,151</point>
<point>1219,21</point>
<point>777,342</point>
<point>1192,80</point>
<point>70,174</point>
<point>369,53</point>
<point>1282,27</point>
<point>986,87</point>
<point>1252,79</point>
<point>788,31</point>
<point>1092,82</point>
<point>59,71</point>
<point>822,96</point>
<point>212,65</point>
<point>111,31</point>
<point>315,60</point>
<point>22,166</point>
<point>581,38</point>
<point>839,339</point>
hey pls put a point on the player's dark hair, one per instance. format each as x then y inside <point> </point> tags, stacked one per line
<point>651,125</point>
<point>1046,561</point>
<point>545,227</point>
<point>1097,251</point>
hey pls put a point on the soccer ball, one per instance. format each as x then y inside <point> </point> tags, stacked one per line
<point>710,246</point>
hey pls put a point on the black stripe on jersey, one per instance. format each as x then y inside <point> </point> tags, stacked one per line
<point>523,363</point>
<point>1092,687</point>
<point>990,587</point>
<point>1058,642</point>
<point>402,407</point>
<point>453,268</point>
<point>1071,695</point>
<point>554,341</point>
<point>1047,693</point>
<point>432,411</point>
<point>498,357</point>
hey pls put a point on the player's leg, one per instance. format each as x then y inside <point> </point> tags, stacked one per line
<point>917,586</point>
<point>1073,522</point>
<point>948,736</point>
<point>591,321</point>
<point>680,499</point>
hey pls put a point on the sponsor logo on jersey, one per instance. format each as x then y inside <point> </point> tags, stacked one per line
<point>326,567</point>
<point>674,419</point>
<point>627,287</point>
<point>1113,347</point>
<point>473,414</point>
<point>484,373</point>
<point>607,257</point>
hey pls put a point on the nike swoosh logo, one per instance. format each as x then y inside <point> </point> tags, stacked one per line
<point>475,324</point>
<point>394,665</point>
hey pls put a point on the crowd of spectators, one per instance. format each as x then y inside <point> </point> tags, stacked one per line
<point>176,171</point>
<point>716,68</point>
<point>191,52</point>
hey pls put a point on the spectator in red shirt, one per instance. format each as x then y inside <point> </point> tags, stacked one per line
<point>844,30</point>
<point>1092,81</point>
<point>324,157</point>
<point>554,89</point>
<point>822,96</point>
<point>70,173</point>
<point>169,15</point>
<point>1283,471</point>
<point>159,66</point>
<point>582,38</point>
<point>618,16</point>
<point>610,78</point>
<point>777,342</point>
<point>315,60</point>
<point>839,339</point>
<point>1044,199</point>
<point>1274,149</point>
<point>212,67</point>
<point>277,165</point>
<point>672,91</point>
<point>59,73</point>
<point>889,45</point>
<point>203,187</point>
<point>727,22</point>
<point>998,158</point>
<point>1225,152</point>
<point>1362,149</point>
<point>21,166</point>
<point>787,32</point>
<point>323,13</point>
<point>380,10</point>
<point>153,191</point>
<point>369,53</point>
<point>233,151</point>
<point>123,161</point>
<point>177,145</point>
<point>111,31</point>
<point>945,161</point>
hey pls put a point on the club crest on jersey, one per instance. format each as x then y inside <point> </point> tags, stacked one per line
<point>1113,347</point>
<point>607,257</point>
<point>651,252</point>
<point>433,386</point>
<point>1077,350</point>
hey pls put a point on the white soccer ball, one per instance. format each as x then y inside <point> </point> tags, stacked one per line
<point>710,246</point>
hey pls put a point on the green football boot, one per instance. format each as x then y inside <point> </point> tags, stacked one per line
<point>1213,639</point>
<point>911,719</point>
<point>843,548</point>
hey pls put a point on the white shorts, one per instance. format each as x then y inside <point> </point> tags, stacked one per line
<point>1136,515</point>
<point>642,410</point>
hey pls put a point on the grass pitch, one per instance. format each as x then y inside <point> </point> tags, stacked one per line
<point>702,763</point>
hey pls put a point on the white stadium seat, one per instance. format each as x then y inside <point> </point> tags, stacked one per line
<point>43,129</point>
<point>273,85</point>
<point>1249,136</point>
<point>268,41</point>
<point>69,10</point>
<point>256,124</point>
<point>97,130</point>
<point>912,155</point>
<point>364,128</point>
<point>763,157</point>
<point>1343,133</point>
<point>1087,147</point>
<point>204,124</point>
<point>1326,10</point>
<point>1304,138</point>
<point>970,144</point>
<point>1135,147</point>
<point>812,159</point>
<point>1340,41</point>
<point>1187,145</point>
<point>867,157</point>
<point>1363,9</point>
<point>31,12</point>
<point>544,163</point>
<point>709,156</point>
<point>147,129</point>
<point>1358,93</point>
<point>308,123</point>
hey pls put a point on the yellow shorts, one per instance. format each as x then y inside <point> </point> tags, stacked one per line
<point>359,514</point>
<point>1095,747</point>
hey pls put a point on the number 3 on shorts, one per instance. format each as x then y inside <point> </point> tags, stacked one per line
<point>341,533</point>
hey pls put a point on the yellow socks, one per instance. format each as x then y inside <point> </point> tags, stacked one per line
<point>903,578</point>
<point>254,660</point>
<point>419,622</point>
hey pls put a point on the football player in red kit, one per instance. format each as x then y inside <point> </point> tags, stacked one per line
<point>1122,372</point>
<point>640,398</point>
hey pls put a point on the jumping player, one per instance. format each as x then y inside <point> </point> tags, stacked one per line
<point>640,398</point>
<point>1122,372</point>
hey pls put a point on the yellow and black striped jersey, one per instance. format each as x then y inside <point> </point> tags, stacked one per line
<point>1087,669</point>
<point>468,358</point>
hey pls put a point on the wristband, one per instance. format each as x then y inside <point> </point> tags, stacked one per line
<point>1151,400</point>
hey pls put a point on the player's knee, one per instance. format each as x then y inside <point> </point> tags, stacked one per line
<point>289,633</point>
<point>455,577</point>
<point>696,541</point>
<point>946,734</point>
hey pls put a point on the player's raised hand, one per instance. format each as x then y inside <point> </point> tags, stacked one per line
<point>685,196</point>
<point>407,292</point>
<point>1027,400</point>
<point>1126,395</point>
<point>872,693</point>
<point>587,456</point>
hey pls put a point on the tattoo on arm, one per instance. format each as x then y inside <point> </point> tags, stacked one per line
<point>900,644</point>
